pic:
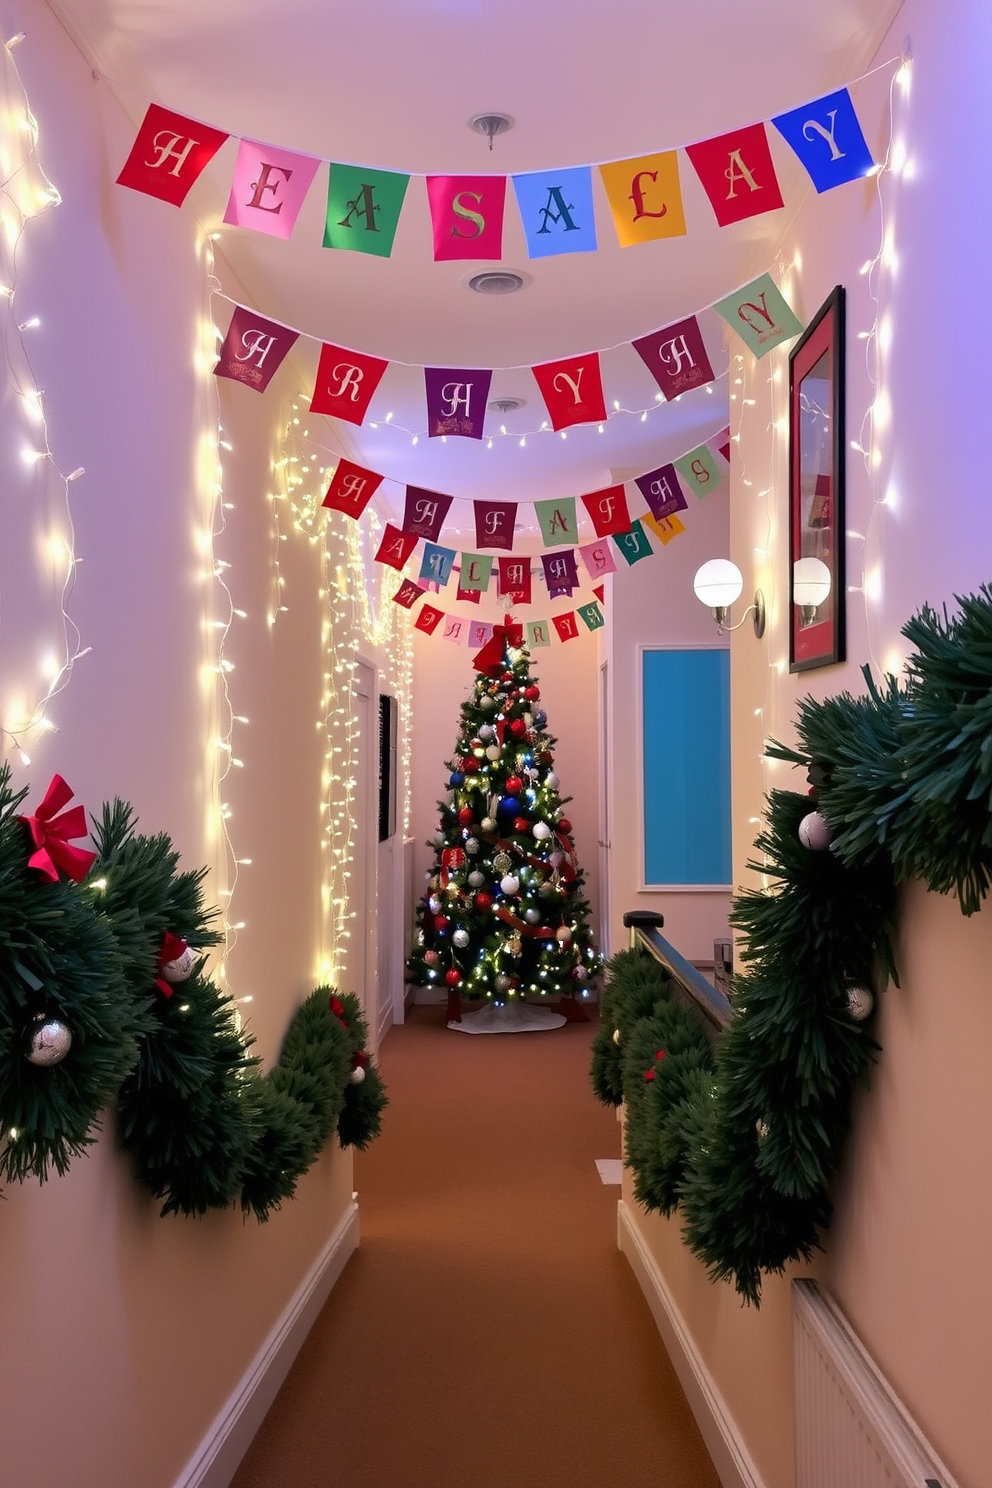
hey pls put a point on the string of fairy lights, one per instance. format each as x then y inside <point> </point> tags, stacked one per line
<point>26,193</point>
<point>357,620</point>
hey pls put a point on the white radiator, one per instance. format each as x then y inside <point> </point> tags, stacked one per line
<point>851,1430</point>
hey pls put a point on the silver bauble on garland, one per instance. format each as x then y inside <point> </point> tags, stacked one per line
<point>48,1041</point>
<point>814,832</point>
<point>860,1001</point>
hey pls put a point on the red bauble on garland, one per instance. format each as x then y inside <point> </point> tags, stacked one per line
<point>518,728</point>
<point>532,693</point>
<point>564,825</point>
<point>521,824</point>
<point>453,976</point>
<point>513,785</point>
<point>466,816</point>
<point>483,901</point>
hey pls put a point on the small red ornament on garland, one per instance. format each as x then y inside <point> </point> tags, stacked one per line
<point>336,1006</point>
<point>532,693</point>
<point>453,976</point>
<point>465,816</point>
<point>359,1064</point>
<point>513,785</point>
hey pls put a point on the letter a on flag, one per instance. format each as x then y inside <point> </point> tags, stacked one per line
<point>737,174</point>
<point>168,155</point>
<point>363,208</point>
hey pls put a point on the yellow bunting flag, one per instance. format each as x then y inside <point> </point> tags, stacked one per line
<point>645,197</point>
<point>665,527</point>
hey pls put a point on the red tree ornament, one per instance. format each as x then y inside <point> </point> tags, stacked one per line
<point>514,785</point>
<point>453,976</point>
<point>465,816</point>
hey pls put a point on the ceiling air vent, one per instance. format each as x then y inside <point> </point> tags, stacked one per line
<point>496,282</point>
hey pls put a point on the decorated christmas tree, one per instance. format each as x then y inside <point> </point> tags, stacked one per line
<point>504,915</point>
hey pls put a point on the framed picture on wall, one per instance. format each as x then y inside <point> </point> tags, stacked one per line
<point>817,450</point>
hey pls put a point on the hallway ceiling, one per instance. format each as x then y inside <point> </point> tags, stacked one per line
<point>393,84</point>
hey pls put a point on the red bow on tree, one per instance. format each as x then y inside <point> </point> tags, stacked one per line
<point>489,660</point>
<point>51,832</point>
<point>336,1006</point>
<point>172,948</point>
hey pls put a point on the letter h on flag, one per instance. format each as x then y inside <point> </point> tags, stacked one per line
<point>168,155</point>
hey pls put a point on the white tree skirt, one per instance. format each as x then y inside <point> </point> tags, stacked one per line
<point>509,1017</point>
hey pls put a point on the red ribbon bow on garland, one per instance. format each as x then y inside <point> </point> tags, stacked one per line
<point>50,834</point>
<point>173,947</point>
<point>336,1006</point>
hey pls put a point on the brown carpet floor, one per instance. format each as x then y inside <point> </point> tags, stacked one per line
<point>487,1333</point>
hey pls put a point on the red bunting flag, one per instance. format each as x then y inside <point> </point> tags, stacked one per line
<point>253,349</point>
<point>396,546</point>
<point>514,579</point>
<point>608,510</point>
<point>737,173</point>
<point>351,489</point>
<point>168,154</point>
<point>429,619</point>
<point>345,383</point>
<point>566,626</point>
<point>467,216</point>
<point>408,593</point>
<point>572,390</point>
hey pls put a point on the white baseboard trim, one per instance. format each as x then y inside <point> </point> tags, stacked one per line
<point>216,1459</point>
<point>718,1429</point>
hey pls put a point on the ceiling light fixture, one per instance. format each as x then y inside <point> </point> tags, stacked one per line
<point>497,282</point>
<point>506,405</point>
<point>490,125</point>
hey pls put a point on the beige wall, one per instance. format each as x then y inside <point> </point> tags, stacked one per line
<point>122,1334</point>
<point>907,1256</point>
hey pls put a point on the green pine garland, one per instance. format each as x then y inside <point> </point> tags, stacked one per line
<point>746,1147</point>
<point>203,1128</point>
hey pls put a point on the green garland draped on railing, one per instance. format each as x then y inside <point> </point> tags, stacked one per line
<point>744,1142</point>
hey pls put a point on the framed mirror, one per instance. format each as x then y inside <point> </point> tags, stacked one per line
<point>817,451</point>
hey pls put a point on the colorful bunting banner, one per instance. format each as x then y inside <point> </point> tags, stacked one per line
<point>759,314</point>
<point>699,471</point>
<point>395,547</point>
<point>479,632</point>
<point>558,524</point>
<point>408,593</point>
<point>455,630</point>
<point>598,559</point>
<point>456,401</point>
<point>556,210</point>
<point>572,390</point>
<point>565,626</point>
<point>467,216</point>
<point>428,619</point>
<point>737,174</point>
<point>645,197</point>
<point>424,513</point>
<point>560,573</point>
<point>268,188</point>
<point>345,383</point>
<point>363,208</point>
<point>665,527</point>
<point>168,154</point>
<point>538,634</point>
<point>662,492</point>
<point>676,357</point>
<point>827,137</point>
<point>514,579</point>
<point>592,615</point>
<point>351,489</point>
<point>475,572</point>
<point>633,545</point>
<point>253,349</point>
<point>436,564</point>
<point>608,510</point>
<point>494,523</point>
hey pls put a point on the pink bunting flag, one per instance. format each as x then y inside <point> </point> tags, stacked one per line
<point>268,188</point>
<point>168,155</point>
<point>467,216</point>
<point>598,559</point>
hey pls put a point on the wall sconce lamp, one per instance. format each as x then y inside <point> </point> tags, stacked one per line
<point>717,584</point>
<point>810,587</point>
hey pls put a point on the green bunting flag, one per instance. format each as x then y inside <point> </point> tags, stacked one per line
<point>363,208</point>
